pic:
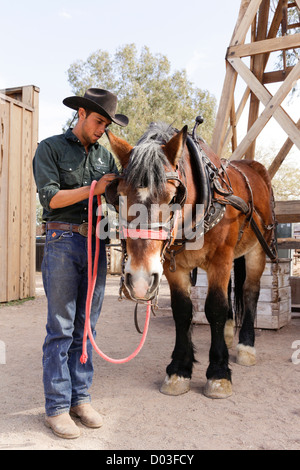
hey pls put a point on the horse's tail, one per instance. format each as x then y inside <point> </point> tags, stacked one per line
<point>239,279</point>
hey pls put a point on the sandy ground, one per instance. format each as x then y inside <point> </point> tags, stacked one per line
<point>263,412</point>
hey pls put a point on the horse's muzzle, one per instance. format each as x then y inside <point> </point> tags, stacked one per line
<point>142,286</point>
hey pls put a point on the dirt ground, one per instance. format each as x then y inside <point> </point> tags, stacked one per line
<point>262,413</point>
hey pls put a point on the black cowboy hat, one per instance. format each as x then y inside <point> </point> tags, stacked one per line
<point>100,101</point>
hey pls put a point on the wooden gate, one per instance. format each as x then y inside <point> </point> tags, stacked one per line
<point>18,141</point>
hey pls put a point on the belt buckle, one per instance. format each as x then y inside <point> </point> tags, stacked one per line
<point>84,228</point>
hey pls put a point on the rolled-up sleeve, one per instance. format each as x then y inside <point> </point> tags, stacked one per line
<point>46,174</point>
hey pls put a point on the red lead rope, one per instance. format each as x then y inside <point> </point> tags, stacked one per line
<point>92,276</point>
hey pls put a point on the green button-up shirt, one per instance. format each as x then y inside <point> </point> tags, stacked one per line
<point>61,162</point>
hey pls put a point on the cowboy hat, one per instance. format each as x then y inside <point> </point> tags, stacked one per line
<point>100,101</point>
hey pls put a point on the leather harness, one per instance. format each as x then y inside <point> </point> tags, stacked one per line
<point>214,181</point>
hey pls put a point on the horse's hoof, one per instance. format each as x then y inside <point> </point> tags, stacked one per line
<point>175,385</point>
<point>229,333</point>
<point>218,388</point>
<point>246,355</point>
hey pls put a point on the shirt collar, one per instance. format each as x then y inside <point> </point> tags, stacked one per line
<point>72,137</point>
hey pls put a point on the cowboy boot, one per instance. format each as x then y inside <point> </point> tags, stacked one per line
<point>87,415</point>
<point>63,426</point>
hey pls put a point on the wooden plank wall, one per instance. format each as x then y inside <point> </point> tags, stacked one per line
<point>18,141</point>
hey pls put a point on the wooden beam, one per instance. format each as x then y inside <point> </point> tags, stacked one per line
<point>258,64</point>
<point>34,143</point>
<point>277,76</point>
<point>268,45</point>
<point>225,105</point>
<point>247,14</point>
<point>293,26</point>
<point>288,243</point>
<point>233,124</point>
<point>222,118</point>
<point>15,102</point>
<point>238,114</point>
<point>240,33</point>
<point>284,151</point>
<point>298,3</point>
<point>270,108</point>
<point>287,212</point>
<point>277,18</point>
<point>265,96</point>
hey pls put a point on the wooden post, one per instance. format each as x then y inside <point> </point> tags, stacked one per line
<point>228,87</point>
<point>18,134</point>
<point>257,67</point>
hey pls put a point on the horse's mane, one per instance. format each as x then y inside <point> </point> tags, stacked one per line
<point>147,164</point>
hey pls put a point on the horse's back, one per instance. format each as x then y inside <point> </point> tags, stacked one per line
<point>256,176</point>
<point>257,167</point>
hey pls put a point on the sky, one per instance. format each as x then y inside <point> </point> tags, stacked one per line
<point>40,40</point>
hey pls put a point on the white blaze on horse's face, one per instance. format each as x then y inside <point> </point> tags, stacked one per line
<point>143,194</point>
<point>143,268</point>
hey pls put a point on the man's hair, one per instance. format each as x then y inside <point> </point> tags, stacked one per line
<point>88,112</point>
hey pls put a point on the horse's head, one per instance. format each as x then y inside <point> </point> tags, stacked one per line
<point>147,196</point>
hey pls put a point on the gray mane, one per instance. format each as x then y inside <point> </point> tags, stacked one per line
<point>146,168</point>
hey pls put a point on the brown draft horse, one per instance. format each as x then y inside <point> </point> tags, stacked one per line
<point>157,171</point>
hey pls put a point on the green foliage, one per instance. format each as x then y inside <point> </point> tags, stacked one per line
<point>147,90</point>
<point>286,182</point>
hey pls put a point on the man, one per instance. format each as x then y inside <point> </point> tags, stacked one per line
<point>64,167</point>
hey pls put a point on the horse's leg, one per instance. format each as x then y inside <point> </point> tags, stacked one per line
<point>254,263</point>
<point>179,371</point>
<point>216,310</point>
<point>229,325</point>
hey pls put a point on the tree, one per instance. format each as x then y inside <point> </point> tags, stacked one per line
<point>147,90</point>
<point>286,183</point>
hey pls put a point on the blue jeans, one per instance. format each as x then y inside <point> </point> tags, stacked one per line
<point>64,269</point>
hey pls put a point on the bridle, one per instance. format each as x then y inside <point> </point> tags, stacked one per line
<point>164,231</point>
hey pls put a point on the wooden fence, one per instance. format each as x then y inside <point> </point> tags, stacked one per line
<point>18,141</point>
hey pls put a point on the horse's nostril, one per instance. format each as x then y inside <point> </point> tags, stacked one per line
<point>154,282</point>
<point>128,279</point>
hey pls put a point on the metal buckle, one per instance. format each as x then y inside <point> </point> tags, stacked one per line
<point>84,228</point>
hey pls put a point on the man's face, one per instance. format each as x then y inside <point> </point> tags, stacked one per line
<point>93,127</point>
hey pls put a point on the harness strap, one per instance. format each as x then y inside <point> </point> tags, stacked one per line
<point>271,254</point>
<point>145,234</point>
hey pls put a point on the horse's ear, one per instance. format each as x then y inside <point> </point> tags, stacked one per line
<point>120,147</point>
<point>174,148</point>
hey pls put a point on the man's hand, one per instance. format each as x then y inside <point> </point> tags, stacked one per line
<point>103,182</point>
<point>67,197</point>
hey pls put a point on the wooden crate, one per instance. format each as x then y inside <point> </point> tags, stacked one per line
<point>274,303</point>
<point>18,141</point>
<point>114,257</point>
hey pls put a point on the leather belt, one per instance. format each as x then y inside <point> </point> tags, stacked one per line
<point>82,229</point>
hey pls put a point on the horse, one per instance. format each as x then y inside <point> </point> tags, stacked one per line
<point>168,167</point>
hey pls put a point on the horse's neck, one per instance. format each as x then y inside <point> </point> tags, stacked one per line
<point>210,153</point>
